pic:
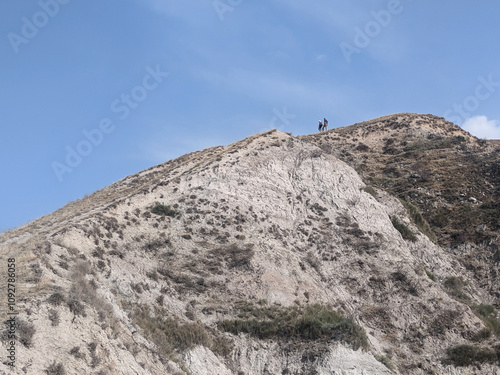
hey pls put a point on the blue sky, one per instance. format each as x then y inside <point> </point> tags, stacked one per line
<point>93,91</point>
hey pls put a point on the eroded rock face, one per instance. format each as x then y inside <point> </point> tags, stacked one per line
<point>147,271</point>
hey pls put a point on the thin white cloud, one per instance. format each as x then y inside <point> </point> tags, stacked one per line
<point>196,13</point>
<point>342,21</point>
<point>265,86</point>
<point>481,127</point>
<point>340,15</point>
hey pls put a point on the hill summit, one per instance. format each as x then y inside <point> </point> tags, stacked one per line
<point>319,254</point>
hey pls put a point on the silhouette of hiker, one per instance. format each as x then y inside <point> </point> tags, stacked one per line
<point>325,124</point>
<point>320,125</point>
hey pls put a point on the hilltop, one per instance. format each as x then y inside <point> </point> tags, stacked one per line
<point>450,175</point>
<point>273,255</point>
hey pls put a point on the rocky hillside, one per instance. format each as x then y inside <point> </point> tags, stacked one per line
<point>268,256</point>
<point>451,177</point>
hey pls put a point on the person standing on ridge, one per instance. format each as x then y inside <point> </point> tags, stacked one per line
<point>325,124</point>
<point>320,125</point>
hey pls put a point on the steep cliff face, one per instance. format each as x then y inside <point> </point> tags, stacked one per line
<point>268,256</point>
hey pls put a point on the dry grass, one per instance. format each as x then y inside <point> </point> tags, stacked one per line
<point>454,286</point>
<point>171,335</point>
<point>234,255</point>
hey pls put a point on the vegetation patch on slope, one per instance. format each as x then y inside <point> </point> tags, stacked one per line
<point>163,210</point>
<point>171,335</point>
<point>468,355</point>
<point>312,323</point>
<point>419,220</point>
<point>487,314</point>
<point>406,233</point>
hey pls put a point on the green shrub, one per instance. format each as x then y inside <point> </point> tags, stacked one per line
<point>485,310</point>
<point>313,323</point>
<point>406,233</point>
<point>487,314</point>
<point>419,220</point>
<point>468,355</point>
<point>161,209</point>
<point>482,335</point>
<point>454,286</point>
<point>430,275</point>
<point>385,360</point>
<point>370,190</point>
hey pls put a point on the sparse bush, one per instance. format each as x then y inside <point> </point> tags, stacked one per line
<point>157,244</point>
<point>35,274</point>
<point>406,233</point>
<point>406,284</point>
<point>75,352</point>
<point>94,358</point>
<point>385,360</point>
<point>139,287</point>
<point>56,299</point>
<point>84,291</point>
<point>430,275</point>
<point>54,317</point>
<point>454,286</point>
<point>235,255</point>
<point>75,306</point>
<point>161,209</point>
<point>362,147</point>
<point>25,332</point>
<point>153,275</point>
<point>313,261</point>
<point>55,369</point>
